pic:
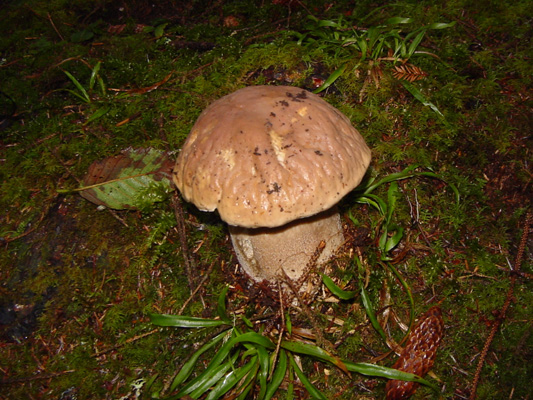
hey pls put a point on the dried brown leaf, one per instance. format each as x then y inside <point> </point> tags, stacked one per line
<point>409,72</point>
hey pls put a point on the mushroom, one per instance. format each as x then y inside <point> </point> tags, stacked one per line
<point>274,161</point>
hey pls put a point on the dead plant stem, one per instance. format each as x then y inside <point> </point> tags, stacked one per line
<point>497,323</point>
<point>190,264</point>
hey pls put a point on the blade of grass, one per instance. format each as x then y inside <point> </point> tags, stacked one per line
<point>407,290</point>
<point>337,291</point>
<point>393,241</point>
<point>384,372</point>
<point>331,79</point>
<point>278,375</point>
<point>97,114</point>
<point>313,351</point>
<point>94,74</point>
<point>188,367</point>
<point>373,201</point>
<point>405,174</point>
<point>221,306</point>
<point>264,362</point>
<point>84,95</point>
<point>370,313</point>
<point>180,321</point>
<point>231,379</point>
<point>311,389</point>
<point>210,379</point>
<point>247,383</point>
<point>422,99</point>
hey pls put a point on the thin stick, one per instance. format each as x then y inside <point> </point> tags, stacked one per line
<point>501,317</point>
<point>9,381</point>
<point>321,340</point>
<point>206,276</point>
<point>281,330</point>
<point>130,340</point>
<point>55,28</point>
<point>190,264</point>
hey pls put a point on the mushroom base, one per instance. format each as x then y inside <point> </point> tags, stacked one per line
<point>264,253</point>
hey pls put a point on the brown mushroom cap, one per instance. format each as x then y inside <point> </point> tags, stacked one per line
<point>267,155</point>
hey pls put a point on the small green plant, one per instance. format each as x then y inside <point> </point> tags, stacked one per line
<point>82,93</point>
<point>385,42</point>
<point>247,360</point>
<point>390,235</point>
<point>367,43</point>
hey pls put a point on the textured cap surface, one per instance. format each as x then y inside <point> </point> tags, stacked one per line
<point>267,155</point>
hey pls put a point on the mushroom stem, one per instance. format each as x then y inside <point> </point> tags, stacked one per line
<point>264,252</point>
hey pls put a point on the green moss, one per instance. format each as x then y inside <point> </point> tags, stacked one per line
<point>92,276</point>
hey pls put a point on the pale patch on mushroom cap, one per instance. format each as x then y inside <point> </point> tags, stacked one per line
<point>267,155</point>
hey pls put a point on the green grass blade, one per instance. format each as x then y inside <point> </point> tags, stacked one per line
<point>84,95</point>
<point>396,238</point>
<point>188,367</point>
<point>420,97</point>
<point>254,337</point>
<point>441,25</point>
<point>97,114</point>
<point>247,322</point>
<point>313,351</point>
<point>414,44</point>
<point>278,375</point>
<point>398,21</point>
<point>370,313</point>
<point>407,290</point>
<point>337,291</point>
<point>384,372</point>
<point>405,174</point>
<point>221,306</point>
<point>102,86</point>
<point>290,388</point>
<point>210,379</point>
<point>311,389</point>
<point>222,353</point>
<point>180,321</point>
<point>331,79</point>
<point>392,195</point>
<point>288,323</point>
<point>231,379</point>
<point>94,75</point>
<point>264,362</point>
<point>373,201</point>
<point>248,383</point>
<point>213,367</point>
<point>76,94</point>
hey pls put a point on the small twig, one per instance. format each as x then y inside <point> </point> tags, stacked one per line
<point>9,381</point>
<point>307,311</point>
<point>497,323</point>
<point>130,340</point>
<point>190,264</point>
<point>205,277</point>
<point>55,28</point>
<point>281,330</point>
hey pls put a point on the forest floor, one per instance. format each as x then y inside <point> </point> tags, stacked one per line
<point>441,92</point>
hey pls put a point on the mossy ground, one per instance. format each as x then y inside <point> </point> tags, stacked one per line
<point>77,283</point>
